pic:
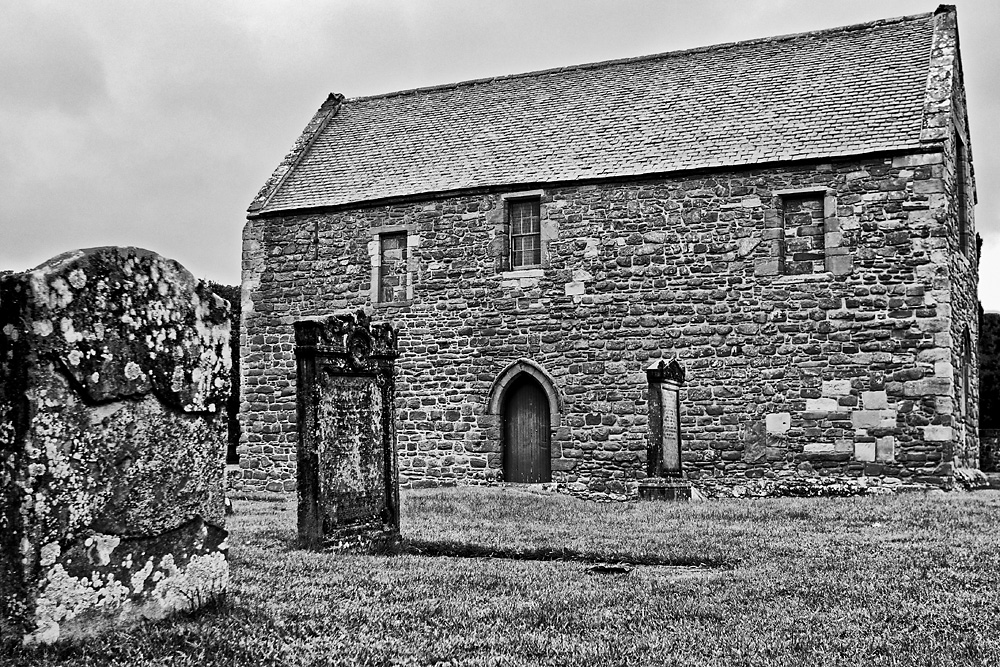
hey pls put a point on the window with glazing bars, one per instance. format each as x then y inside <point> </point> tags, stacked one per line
<point>392,271</point>
<point>525,233</point>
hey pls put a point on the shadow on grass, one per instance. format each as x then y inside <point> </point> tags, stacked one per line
<point>463,550</point>
<point>283,541</point>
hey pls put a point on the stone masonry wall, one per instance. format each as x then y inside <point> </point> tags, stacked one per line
<point>114,368</point>
<point>964,265</point>
<point>838,371</point>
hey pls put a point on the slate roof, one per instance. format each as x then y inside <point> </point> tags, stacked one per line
<point>842,91</point>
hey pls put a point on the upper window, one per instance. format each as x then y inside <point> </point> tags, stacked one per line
<point>802,243</point>
<point>961,193</point>
<point>392,268</point>
<point>525,222</point>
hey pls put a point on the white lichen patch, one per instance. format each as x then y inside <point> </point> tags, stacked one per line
<point>63,597</point>
<point>75,357</point>
<point>177,379</point>
<point>133,371</point>
<point>69,333</point>
<point>179,589</point>
<point>101,547</point>
<point>138,579</point>
<point>77,278</point>
<point>42,328</point>
<point>49,553</point>
<point>60,295</point>
<point>6,441</point>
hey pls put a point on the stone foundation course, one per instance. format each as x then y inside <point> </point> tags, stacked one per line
<point>114,374</point>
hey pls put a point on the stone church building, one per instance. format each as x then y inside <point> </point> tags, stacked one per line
<point>789,219</point>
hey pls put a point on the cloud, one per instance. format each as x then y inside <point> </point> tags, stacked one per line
<point>47,62</point>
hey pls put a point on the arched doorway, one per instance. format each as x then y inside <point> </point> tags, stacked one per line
<point>526,422</point>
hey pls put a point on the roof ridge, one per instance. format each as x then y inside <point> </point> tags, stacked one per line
<point>655,56</point>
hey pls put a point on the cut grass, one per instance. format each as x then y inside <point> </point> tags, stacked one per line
<point>909,580</point>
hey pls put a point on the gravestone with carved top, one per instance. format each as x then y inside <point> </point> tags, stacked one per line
<point>114,374</point>
<point>663,454</point>
<point>348,480</point>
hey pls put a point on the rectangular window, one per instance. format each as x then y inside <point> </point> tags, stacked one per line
<point>392,269</point>
<point>961,194</point>
<point>802,246</point>
<point>525,220</point>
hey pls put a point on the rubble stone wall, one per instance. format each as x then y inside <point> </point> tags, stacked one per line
<point>846,370</point>
<point>113,382</point>
<point>963,252</point>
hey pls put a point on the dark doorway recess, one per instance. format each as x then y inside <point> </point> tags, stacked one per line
<point>527,456</point>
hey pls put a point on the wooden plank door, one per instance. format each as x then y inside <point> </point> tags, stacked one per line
<point>526,433</point>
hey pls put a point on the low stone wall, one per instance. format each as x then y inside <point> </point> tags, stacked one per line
<point>790,484</point>
<point>114,375</point>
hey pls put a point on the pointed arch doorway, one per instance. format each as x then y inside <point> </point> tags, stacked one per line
<point>527,449</point>
<point>528,409</point>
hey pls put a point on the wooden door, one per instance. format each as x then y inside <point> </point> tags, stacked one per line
<point>526,433</point>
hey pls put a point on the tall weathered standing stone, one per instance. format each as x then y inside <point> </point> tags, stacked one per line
<point>113,382</point>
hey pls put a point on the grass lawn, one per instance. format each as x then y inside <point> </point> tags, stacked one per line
<point>890,580</point>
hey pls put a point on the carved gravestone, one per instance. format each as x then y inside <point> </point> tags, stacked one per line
<point>114,374</point>
<point>663,455</point>
<point>348,480</point>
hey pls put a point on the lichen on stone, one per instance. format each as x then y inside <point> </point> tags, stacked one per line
<point>118,309</point>
<point>180,569</point>
<point>112,361</point>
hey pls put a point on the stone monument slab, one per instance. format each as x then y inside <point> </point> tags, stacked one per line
<point>347,471</point>
<point>663,463</point>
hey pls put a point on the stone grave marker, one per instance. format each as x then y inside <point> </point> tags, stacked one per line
<point>666,480</point>
<point>348,479</point>
<point>114,374</point>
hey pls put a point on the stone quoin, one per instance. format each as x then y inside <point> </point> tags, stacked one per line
<point>790,219</point>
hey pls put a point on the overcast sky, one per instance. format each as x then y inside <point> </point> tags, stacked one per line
<point>155,123</point>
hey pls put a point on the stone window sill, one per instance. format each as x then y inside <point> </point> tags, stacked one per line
<point>393,304</point>
<point>825,276</point>
<point>530,272</point>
